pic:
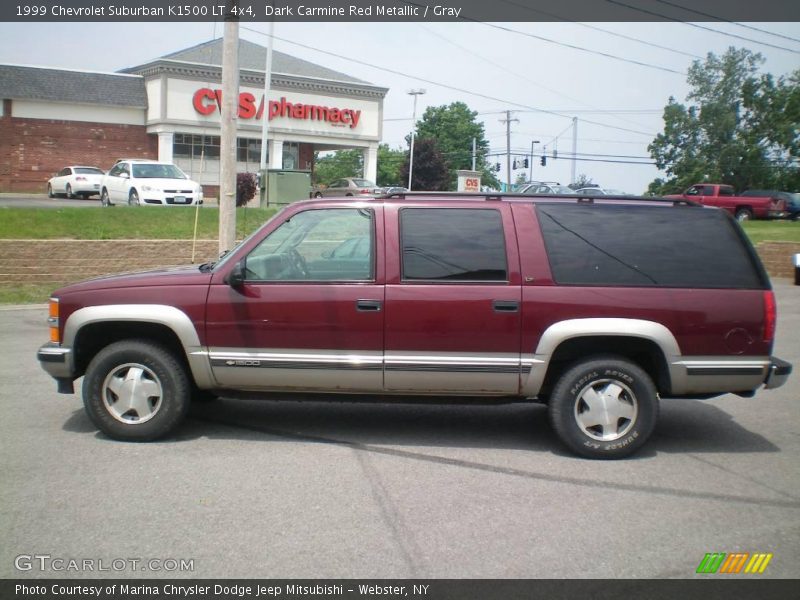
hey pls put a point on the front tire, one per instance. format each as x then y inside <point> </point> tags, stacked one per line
<point>50,193</point>
<point>133,198</point>
<point>604,407</point>
<point>136,390</point>
<point>744,214</point>
<point>104,199</point>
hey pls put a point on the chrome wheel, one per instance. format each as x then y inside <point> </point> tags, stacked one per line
<point>132,393</point>
<point>70,195</point>
<point>133,198</point>
<point>104,199</point>
<point>606,410</point>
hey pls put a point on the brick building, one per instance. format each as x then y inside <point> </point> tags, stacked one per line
<point>168,109</point>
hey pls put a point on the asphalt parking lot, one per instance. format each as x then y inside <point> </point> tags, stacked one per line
<point>269,489</point>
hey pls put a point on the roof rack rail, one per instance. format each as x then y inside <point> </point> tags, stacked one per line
<point>497,196</point>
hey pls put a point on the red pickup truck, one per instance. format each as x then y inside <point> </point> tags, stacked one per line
<point>596,307</point>
<point>743,208</point>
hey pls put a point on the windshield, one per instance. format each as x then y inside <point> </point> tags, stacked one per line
<point>562,189</point>
<point>363,183</point>
<point>88,171</point>
<point>157,171</point>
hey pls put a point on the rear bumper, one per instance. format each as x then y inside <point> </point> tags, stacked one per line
<point>777,374</point>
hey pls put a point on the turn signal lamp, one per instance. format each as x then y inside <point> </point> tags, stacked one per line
<point>52,321</point>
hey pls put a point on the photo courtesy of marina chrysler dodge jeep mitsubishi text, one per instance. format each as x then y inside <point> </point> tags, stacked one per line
<point>598,307</point>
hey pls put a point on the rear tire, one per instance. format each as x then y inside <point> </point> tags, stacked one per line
<point>136,390</point>
<point>70,195</point>
<point>604,407</point>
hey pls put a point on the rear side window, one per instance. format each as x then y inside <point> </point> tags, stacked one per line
<point>646,246</point>
<point>453,244</point>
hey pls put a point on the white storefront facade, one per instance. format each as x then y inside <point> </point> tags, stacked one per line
<point>308,110</point>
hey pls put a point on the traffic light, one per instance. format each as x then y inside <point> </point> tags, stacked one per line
<point>543,161</point>
<point>497,167</point>
<point>525,163</point>
<point>515,164</point>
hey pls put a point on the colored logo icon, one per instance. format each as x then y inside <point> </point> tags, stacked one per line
<point>734,563</point>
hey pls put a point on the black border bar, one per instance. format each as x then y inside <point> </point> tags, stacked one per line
<point>251,11</point>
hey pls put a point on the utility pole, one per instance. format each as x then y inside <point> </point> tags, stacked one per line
<point>474,151</point>
<point>574,146</point>
<point>530,176</point>
<point>227,146</point>
<point>414,93</point>
<point>507,121</point>
<point>263,199</point>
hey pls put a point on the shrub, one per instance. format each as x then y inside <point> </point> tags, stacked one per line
<point>245,187</point>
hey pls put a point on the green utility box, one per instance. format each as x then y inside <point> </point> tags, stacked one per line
<point>287,186</point>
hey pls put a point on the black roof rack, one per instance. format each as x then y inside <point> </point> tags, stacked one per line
<point>497,196</point>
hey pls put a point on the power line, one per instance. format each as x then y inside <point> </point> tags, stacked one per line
<point>698,12</point>
<point>704,28</point>
<point>581,49</point>
<point>507,70</point>
<point>444,85</point>
<point>594,27</point>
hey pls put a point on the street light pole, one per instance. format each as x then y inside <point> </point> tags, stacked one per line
<point>415,93</point>
<point>530,176</point>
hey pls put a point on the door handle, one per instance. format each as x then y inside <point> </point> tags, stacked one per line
<point>505,306</point>
<point>368,305</point>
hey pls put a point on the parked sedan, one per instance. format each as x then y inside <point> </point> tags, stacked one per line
<point>547,188</point>
<point>599,191</point>
<point>140,182</point>
<point>76,181</point>
<point>351,186</point>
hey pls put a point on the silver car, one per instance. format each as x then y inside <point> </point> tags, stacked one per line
<point>351,186</point>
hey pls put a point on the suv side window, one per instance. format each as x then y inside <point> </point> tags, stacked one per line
<point>645,247</point>
<point>332,244</point>
<point>452,244</point>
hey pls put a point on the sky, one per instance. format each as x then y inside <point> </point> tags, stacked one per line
<point>527,68</point>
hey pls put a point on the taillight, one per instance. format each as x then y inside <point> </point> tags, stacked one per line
<point>363,191</point>
<point>770,316</point>
<point>52,321</point>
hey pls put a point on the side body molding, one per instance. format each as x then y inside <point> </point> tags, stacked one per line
<point>562,331</point>
<point>169,316</point>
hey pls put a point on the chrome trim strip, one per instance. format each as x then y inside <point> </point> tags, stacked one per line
<point>709,374</point>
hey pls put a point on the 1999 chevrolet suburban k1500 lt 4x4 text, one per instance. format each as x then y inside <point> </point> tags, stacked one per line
<point>598,307</point>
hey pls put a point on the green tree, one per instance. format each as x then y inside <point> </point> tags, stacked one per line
<point>389,163</point>
<point>431,171</point>
<point>737,127</point>
<point>454,127</point>
<point>342,163</point>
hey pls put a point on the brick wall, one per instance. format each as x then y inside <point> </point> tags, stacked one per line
<point>777,257</point>
<point>33,150</point>
<point>56,262</point>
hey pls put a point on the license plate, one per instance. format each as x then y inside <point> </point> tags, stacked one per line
<point>180,200</point>
<point>97,186</point>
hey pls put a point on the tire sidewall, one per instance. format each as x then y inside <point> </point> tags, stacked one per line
<point>176,390</point>
<point>575,379</point>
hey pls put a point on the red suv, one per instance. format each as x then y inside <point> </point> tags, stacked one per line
<point>596,307</point>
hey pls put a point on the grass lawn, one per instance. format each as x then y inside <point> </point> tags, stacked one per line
<point>772,231</point>
<point>123,222</point>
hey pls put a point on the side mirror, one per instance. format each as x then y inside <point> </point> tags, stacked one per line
<point>236,276</point>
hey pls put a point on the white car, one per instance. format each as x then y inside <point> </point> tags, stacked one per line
<point>76,181</point>
<point>143,182</point>
<point>599,191</point>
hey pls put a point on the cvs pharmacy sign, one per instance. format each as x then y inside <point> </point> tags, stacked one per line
<point>207,101</point>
